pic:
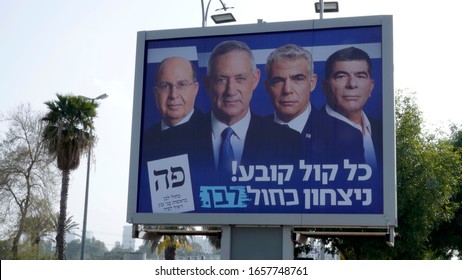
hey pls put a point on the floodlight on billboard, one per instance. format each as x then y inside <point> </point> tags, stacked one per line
<point>327,168</point>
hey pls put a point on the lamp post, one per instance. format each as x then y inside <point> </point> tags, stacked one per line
<point>322,7</point>
<point>85,209</point>
<point>220,18</point>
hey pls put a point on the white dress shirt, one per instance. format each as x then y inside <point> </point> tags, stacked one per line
<point>366,131</point>
<point>299,122</point>
<point>237,139</point>
<point>165,126</point>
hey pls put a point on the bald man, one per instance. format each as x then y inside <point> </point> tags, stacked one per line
<point>175,92</point>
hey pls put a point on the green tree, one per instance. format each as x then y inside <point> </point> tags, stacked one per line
<point>39,224</point>
<point>5,249</point>
<point>447,238</point>
<point>94,249</point>
<point>73,250</point>
<point>69,133</point>
<point>27,173</point>
<point>429,173</point>
<point>117,253</point>
<point>428,179</point>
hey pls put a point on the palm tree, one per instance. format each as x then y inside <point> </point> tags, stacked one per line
<point>69,227</point>
<point>68,134</point>
<point>171,243</point>
<point>167,243</point>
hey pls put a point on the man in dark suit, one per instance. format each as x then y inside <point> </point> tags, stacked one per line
<point>290,80</point>
<point>347,86</point>
<point>175,93</point>
<point>232,77</point>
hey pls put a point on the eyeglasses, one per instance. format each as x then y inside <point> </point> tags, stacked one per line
<point>168,87</point>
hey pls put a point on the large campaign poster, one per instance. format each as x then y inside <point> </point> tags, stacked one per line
<point>178,176</point>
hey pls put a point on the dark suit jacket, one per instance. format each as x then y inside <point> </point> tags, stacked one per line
<point>174,141</point>
<point>157,144</point>
<point>266,143</point>
<point>312,140</point>
<point>344,141</point>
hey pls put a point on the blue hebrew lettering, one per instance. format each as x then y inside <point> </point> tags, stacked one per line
<point>223,197</point>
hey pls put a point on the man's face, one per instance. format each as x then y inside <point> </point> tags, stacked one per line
<point>230,86</point>
<point>290,86</point>
<point>174,102</point>
<point>349,87</point>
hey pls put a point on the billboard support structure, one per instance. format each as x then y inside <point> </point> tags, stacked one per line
<point>257,243</point>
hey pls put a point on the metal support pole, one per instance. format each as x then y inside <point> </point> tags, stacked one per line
<point>205,13</point>
<point>85,209</point>
<point>84,228</point>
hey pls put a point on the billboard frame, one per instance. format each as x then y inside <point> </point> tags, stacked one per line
<point>387,219</point>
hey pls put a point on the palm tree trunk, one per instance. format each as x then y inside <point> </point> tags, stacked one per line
<point>60,241</point>
<point>170,252</point>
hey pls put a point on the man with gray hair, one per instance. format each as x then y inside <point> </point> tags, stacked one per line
<point>234,133</point>
<point>290,80</point>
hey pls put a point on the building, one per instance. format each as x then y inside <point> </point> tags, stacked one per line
<point>128,242</point>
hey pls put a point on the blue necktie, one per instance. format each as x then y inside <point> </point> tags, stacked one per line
<point>226,152</point>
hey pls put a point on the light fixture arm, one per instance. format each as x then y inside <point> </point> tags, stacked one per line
<point>99,97</point>
<point>205,11</point>
<point>204,14</point>
<point>224,6</point>
<point>102,96</point>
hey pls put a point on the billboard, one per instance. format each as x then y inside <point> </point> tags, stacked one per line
<point>323,167</point>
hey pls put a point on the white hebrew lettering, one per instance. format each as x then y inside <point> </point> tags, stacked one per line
<point>320,197</point>
<point>288,197</point>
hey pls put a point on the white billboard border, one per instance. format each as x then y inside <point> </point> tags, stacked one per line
<point>386,220</point>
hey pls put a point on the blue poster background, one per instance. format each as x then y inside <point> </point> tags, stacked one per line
<point>345,193</point>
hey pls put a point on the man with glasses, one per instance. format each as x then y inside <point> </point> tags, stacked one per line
<point>175,92</point>
<point>169,147</point>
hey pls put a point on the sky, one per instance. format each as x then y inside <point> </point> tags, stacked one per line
<point>87,47</point>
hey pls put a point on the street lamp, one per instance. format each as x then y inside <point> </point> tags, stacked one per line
<point>322,7</point>
<point>223,18</point>
<point>220,18</point>
<point>84,228</point>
